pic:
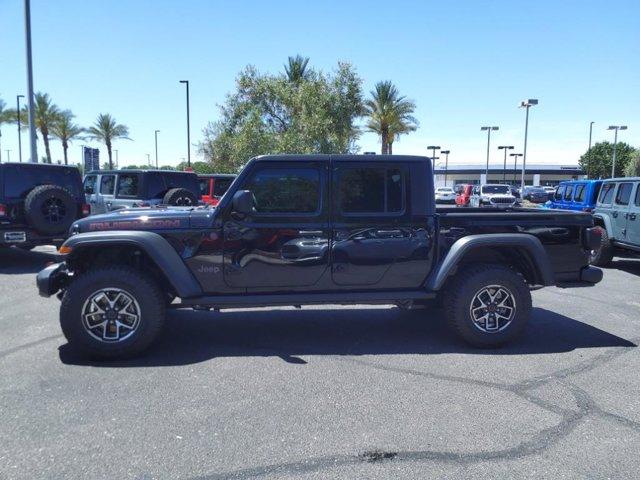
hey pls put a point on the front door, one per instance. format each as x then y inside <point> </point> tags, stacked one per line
<point>377,242</point>
<point>620,210</point>
<point>104,201</point>
<point>285,243</point>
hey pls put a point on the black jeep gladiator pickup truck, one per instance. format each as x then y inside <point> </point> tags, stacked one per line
<point>315,229</point>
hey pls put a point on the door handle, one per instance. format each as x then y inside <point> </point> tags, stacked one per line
<point>632,216</point>
<point>615,214</point>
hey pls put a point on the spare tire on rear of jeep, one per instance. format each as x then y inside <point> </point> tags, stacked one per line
<point>180,197</point>
<point>50,209</point>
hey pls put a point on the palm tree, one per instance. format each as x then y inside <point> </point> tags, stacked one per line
<point>106,130</point>
<point>7,115</point>
<point>390,114</point>
<point>46,115</point>
<point>66,131</point>
<point>296,69</point>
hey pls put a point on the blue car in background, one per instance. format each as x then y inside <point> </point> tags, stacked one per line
<point>580,195</point>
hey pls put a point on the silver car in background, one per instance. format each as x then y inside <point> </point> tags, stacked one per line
<point>445,195</point>
<point>494,195</point>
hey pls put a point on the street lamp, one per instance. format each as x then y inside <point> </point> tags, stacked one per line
<point>589,149</point>
<point>515,165</point>
<point>186,82</point>
<point>526,104</point>
<point>18,97</point>
<point>148,159</point>
<point>117,162</point>
<point>504,168</point>
<point>488,129</point>
<point>156,134</point>
<point>30,96</point>
<point>433,148</point>
<point>8,155</point>
<point>446,164</point>
<point>615,145</point>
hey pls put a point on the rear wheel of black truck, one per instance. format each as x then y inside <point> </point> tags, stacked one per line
<point>487,306</point>
<point>112,312</point>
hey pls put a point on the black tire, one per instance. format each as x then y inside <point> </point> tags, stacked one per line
<point>145,294</point>
<point>603,256</point>
<point>50,209</point>
<point>461,294</point>
<point>180,197</point>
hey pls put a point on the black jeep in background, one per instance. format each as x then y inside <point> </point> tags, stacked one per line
<point>38,203</point>
<point>315,229</point>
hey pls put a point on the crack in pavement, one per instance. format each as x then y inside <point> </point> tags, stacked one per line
<point>539,442</point>
<point>28,345</point>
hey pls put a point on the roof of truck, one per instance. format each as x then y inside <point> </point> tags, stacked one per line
<point>327,157</point>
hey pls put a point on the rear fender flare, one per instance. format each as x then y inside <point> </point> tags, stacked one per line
<point>155,246</point>
<point>605,221</point>
<point>465,245</point>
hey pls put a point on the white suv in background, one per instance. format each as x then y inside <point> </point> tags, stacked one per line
<point>495,195</point>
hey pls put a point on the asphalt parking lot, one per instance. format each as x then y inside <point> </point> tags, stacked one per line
<point>325,392</point>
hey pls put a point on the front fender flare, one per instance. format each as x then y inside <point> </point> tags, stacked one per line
<point>606,221</point>
<point>155,246</point>
<point>464,245</point>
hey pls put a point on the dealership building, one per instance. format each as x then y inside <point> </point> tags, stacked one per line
<point>536,174</point>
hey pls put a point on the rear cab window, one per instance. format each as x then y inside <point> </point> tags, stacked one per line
<point>568,193</point>
<point>204,184</point>
<point>221,185</point>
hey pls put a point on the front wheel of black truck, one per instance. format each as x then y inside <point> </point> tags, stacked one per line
<point>486,305</point>
<point>112,312</point>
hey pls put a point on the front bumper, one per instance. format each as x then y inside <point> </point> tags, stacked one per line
<point>52,279</point>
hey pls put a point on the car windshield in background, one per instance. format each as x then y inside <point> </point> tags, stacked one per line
<point>503,189</point>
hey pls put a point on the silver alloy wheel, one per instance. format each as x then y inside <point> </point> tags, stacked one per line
<point>492,308</point>
<point>111,315</point>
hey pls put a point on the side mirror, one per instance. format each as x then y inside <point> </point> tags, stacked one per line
<point>244,202</point>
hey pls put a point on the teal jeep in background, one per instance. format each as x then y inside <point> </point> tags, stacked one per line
<point>617,212</point>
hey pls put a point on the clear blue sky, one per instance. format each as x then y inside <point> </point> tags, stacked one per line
<point>466,64</point>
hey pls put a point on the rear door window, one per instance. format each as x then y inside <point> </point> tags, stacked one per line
<point>107,184</point>
<point>637,201</point>
<point>606,193</point>
<point>371,190</point>
<point>568,193</point>
<point>624,193</point>
<point>579,195</point>
<point>559,193</point>
<point>128,185</point>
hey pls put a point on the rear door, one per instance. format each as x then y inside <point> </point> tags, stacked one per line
<point>127,191</point>
<point>620,210</point>
<point>378,242</point>
<point>285,243</point>
<point>633,221</point>
<point>579,196</point>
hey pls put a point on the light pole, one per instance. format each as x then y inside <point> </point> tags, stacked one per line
<point>8,155</point>
<point>615,145</point>
<point>526,104</point>
<point>433,148</point>
<point>32,123</point>
<point>488,129</point>
<point>515,165</point>
<point>504,168</point>
<point>18,97</point>
<point>148,160</point>
<point>117,161</point>
<point>446,164</point>
<point>186,82</point>
<point>589,149</point>
<point>156,134</point>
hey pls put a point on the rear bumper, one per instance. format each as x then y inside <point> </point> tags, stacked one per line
<point>52,279</point>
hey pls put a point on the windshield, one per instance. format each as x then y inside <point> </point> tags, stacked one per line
<point>495,189</point>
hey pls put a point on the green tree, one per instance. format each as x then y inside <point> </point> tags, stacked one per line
<point>633,167</point>
<point>66,131</point>
<point>273,114</point>
<point>390,114</point>
<point>106,130</point>
<point>46,114</point>
<point>597,161</point>
<point>296,68</point>
<point>167,167</point>
<point>7,115</point>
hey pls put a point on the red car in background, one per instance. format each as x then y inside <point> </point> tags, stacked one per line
<point>213,186</point>
<point>464,195</point>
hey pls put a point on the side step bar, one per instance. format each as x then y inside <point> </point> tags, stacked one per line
<point>278,299</point>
